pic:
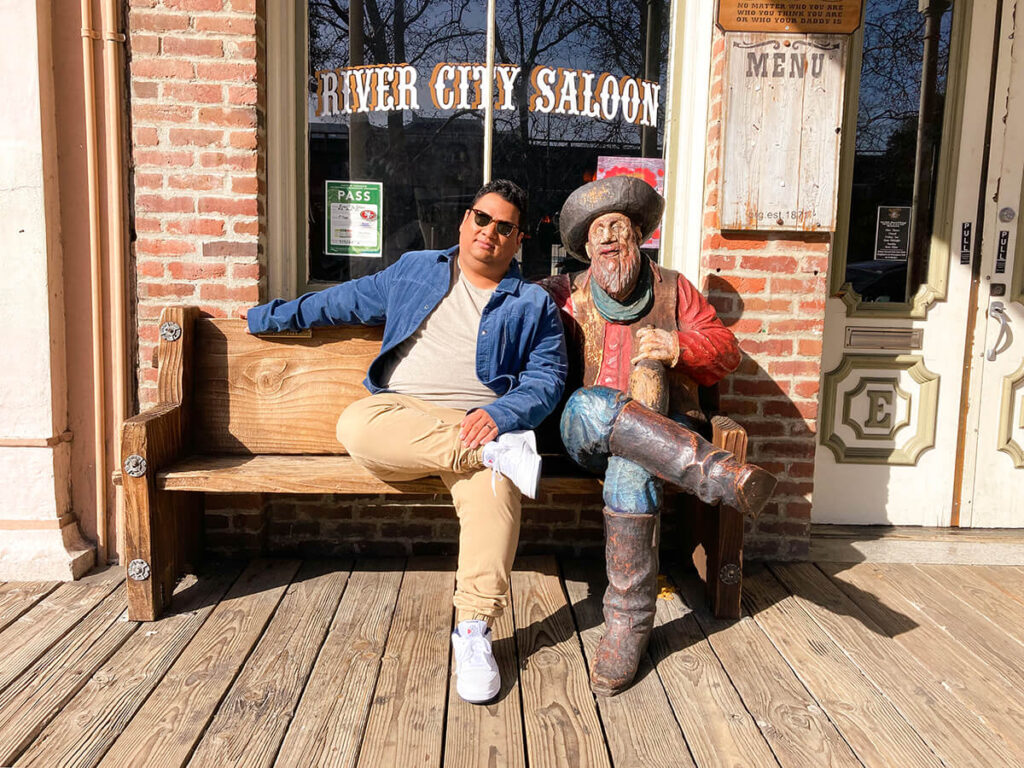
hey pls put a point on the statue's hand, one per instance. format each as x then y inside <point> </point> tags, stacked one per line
<point>656,344</point>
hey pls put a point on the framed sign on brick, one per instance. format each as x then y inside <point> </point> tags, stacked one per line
<point>781,136</point>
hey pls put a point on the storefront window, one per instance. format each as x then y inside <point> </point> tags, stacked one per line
<point>578,87</point>
<point>899,125</point>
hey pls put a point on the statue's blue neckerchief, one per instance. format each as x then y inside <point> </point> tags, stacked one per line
<point>635,306</point>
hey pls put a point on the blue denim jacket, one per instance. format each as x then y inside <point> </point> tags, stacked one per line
<point>520,354</point>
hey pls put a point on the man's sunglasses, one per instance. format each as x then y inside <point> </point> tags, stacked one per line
<point>504,228</point>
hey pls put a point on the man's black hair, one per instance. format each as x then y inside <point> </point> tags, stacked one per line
<point>508,191</point>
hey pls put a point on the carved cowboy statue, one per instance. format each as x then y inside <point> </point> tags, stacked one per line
<point>647,338</point>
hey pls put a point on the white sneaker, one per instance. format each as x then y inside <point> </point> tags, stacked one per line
<point>514,454</point>
<point>477,672</point>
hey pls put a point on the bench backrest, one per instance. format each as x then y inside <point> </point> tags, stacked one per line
<point>274,394</point>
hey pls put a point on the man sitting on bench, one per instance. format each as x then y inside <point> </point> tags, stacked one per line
<point>473,359</point>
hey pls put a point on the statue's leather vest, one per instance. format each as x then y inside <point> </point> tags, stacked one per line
<point>683,391</point>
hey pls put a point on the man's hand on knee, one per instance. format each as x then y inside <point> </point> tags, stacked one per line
<point>477,429</point>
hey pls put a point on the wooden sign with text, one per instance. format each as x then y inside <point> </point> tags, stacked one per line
<point>781,136</point>
<point>823,17</point>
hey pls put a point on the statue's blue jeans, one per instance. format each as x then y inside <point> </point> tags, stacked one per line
<point>586,427</point>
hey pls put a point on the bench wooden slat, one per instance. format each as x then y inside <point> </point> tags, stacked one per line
<point>309,474</point>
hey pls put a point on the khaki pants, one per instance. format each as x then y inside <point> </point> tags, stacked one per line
<point>397,437</point>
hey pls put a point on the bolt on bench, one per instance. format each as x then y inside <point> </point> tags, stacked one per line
<point>244,414</point>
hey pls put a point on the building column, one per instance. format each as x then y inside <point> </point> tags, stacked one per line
<point>39,537</point>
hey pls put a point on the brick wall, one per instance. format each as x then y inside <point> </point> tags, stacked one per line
<point>770,289</point>
<point>197,129</point>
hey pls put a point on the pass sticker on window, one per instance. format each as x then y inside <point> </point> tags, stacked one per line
<point>354,218</point>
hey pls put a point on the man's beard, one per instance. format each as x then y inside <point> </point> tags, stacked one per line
<point>617,274</point>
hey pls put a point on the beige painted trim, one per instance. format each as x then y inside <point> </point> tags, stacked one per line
<point>934,289</point>
<point>1011,384</point>
<point>686,111</point>
<point>911,544</point>
<point>927,410</point>
<point>38,525</point>
<point>286,149</point>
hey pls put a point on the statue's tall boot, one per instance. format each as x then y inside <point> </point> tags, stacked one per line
<point>682,457</point>
<point>631,554</point>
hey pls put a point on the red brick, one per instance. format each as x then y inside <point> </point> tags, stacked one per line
<point>807,409</point>
<point>764,428</point>
<point>755,304</point>
<point>232,25</point>
<point>157,22</point>
<point>160,68</point>
<point>746,285</point>
<point>779,368</point>
<point>806,388</point>
<point>251,227</point>
<point>801,469</point>
<point>243,6</point>
<point>242,94</point>
<point>798,510</point>
<point>797,448</point>
<point>221,71</point>
<point>195,5</point>
<point>202,93</point>
<point>245,185</point>
<point>738,405</point>
<point>180,290</point>
<point>800,286</point>
<point>245,271</point>
<point>149,180</point>
<point>767,347</point>
<point>197,181</point>
<point>228,116</point>
<point>145,45</point>
<point>162,204</point>
<point>242,49</point>
<point>156,247</point>
<point>736,243</point>
<point>814,264</point>
<point>236,162</point>
<point>810,347</point>
<point>815,307</point>
<point>166,159</point>
<point>751,387</point>
<point>143,136</point>
<point>719,261</point>
<point>184,137</point>
<point>229,206</point>
<point>226,248</point>
<point>148,223</point>
<point>220,292</point>
<point>147,268</point>
<point>795,325</point>
<point>783,264</point>
<point>243,139</point>
<point>143,89</point>
<point>192,46</point>
<point>194,226</point>
<point>161,113</point>
<point>183,270</point>
<point>747,326</point>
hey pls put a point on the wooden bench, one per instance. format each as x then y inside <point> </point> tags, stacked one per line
<point>244,414</point>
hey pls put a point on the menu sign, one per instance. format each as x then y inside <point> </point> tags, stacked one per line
<point>892,233</point>
<point>825,17</point>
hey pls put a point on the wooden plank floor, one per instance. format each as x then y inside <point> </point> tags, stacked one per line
<point>338,663</point>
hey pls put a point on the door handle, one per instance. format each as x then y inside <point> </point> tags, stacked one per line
<point>998,310</point>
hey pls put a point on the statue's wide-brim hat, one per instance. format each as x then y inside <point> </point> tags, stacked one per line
<point>615,194</point>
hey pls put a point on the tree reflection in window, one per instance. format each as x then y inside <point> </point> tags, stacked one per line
<point>430,160</point>
<point>897,144</point>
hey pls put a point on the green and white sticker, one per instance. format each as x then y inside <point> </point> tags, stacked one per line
<point>355,213</point>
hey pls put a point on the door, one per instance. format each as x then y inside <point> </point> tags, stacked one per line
<point>905,266</point>
<point>992,493</point>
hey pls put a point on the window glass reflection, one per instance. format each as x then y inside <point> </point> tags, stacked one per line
<point>897,147</point>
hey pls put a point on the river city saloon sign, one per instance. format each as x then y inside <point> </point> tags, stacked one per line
<point>454,86</point>
<point>782,114</point>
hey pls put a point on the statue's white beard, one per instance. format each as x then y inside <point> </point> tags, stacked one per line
<point>617,273</point>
